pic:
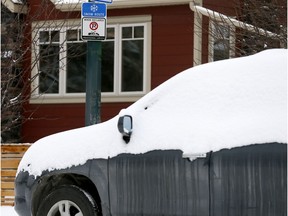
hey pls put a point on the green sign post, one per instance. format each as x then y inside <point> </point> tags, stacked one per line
<point>93,21</point>
<point>93,83</point>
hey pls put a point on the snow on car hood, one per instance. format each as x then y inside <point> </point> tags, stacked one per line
<point>213,106</point>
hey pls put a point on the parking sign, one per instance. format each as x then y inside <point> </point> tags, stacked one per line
<point>93,28</point>
<point>93,21</point>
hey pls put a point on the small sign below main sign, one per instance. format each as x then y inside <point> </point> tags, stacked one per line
<point>91,9</point>
<point>93,28</point>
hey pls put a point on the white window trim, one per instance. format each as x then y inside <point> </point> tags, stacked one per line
<point>80,97</point>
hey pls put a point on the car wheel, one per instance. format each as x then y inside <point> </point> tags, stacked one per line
<point>68,200</point>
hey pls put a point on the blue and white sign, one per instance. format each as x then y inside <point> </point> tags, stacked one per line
<point>95,10</point>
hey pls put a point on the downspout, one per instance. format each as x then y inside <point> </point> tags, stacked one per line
<point>197,40</point>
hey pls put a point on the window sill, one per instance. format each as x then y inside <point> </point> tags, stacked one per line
<point>51,99</point>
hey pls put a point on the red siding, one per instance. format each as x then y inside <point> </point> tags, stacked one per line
<point>48,119</point>
<point>222,6</point>
<point>172,42</point>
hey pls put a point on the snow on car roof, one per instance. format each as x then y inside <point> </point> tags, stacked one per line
<point>210,107</point>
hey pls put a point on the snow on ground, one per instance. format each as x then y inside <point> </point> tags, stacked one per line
<point>8,211</point>
<point>219,105</point>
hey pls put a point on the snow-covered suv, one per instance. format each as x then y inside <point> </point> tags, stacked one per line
<point>210,141</point>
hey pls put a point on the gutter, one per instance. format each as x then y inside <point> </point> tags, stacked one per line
<point>231,21</point>
<point>15,6</point>
<point>73,5</point>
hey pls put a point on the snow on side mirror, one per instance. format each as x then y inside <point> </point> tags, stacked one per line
<point>125,126</point>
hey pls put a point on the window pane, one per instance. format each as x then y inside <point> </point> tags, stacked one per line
<point>76,67</point>
<point>72,35</point>
<point>139,32</point>
<point>221,41</point>
<point>44,36</point>
<point>107,66</point>
<point>127,32</point>
<point>110,33</point>
<point>222,31</point>
<point>132,65</point>
<point>54,36</point>
<point>49,69</point>
<point>221,50</point>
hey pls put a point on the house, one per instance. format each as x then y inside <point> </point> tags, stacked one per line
<point>147,42</point>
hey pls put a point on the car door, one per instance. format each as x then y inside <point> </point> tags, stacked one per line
<point>159,182</point>
<point>249,180</point>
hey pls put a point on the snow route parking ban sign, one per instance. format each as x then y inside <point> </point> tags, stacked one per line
<point>93,20</point>
<point>93,28</point>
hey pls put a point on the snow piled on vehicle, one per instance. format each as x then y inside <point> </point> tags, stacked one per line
<point>210,107</point>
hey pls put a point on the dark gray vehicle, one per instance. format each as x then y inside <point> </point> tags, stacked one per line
<point>202,144</point>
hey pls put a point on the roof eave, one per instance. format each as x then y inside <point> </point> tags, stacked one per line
<point>119,4</point>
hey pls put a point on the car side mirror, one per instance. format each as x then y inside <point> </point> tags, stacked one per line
<point>125,126</point>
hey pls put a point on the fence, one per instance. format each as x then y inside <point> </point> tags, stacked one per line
<point>11,155</point>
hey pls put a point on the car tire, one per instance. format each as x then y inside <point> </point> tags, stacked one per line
<point>68,200</point>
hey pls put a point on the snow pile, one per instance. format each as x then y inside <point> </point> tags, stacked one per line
<point>8,211</point>
<point>218,105</point>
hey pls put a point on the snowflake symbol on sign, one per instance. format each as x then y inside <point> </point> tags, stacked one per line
<point>94,8</point>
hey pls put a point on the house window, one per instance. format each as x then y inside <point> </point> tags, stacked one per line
<point>49,49</point>
<point>132,54</point>
<point>221,45</point>
<point>75,62</point>
<point>60,69</point>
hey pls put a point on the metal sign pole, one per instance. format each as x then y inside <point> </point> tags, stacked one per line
<point>93,83</point>
<point>93,29</point>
